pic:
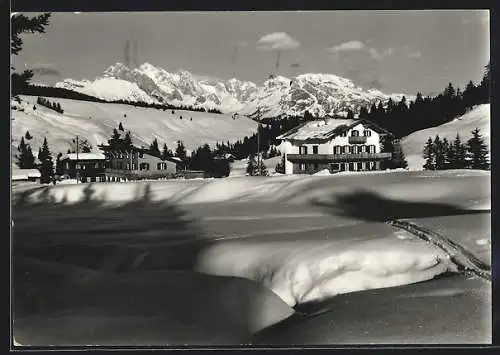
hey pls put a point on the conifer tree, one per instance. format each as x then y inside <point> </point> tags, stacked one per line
<point>280,167</point>
<point>445,148</point>
<point>28,136</point>
<point>429,155</point>
<point>115,139</point>
<point>439,153</point>
<point>46,164</point>
<point>350,114</point>
<point>154,148</point>
<point>120,127</point>
<point>477,151</point>
<point>127,140</point>
<point>22,24</point>
<point>25,158</point>
<point>363,113</point>
<point>180,152</point>
<point>252,168</point>
<point>166,153</point>
<point>470,95</point>
<point>59,165</point>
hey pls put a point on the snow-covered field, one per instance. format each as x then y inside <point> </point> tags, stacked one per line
<point>96,121</point>
<point>479,117</point>
<point>351,251</point>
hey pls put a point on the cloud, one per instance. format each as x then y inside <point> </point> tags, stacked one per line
<point>277,41</point>
<point>43,69</point>
<point>347,46</point>
<point>415,55</point>
<point>380,55</point>
<point>239,44</point>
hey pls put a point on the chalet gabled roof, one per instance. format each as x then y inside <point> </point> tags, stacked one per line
<point>107,148</point>
<point>326,129</point>
<point>84,156</point>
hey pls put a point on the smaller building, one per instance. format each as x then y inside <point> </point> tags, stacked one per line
<point>133,163</point>
<point>86,167</point>
<point>32,175</point>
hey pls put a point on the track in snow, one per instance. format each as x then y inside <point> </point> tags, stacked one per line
<point>466,260</point>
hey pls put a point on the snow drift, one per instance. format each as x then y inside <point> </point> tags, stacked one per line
<point>302,271</point>
<point>443,186</point>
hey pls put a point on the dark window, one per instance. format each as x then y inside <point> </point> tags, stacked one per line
<point>351,166</point>
<point>303,150</point>
<point>345,149</point>
<point>372,149</point>
<point>334,167</point>
<point>315,149</point>
<point>367,133</point>
<point>360,166</point>
<point>354,133</point>
<point>144,166</point>
<point>316,167</point>
<point>355,149</point>
<point>343,134</point>
<point>303,166</point>
<point>141,155</point>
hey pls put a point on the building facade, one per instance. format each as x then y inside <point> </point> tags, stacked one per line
<point>86,167</point>
<point>32,175</point>
<point>333,144</point>
<point>136,164</point>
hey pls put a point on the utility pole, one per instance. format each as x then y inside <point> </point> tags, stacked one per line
<point>258,148</point>
<point>77,161</point>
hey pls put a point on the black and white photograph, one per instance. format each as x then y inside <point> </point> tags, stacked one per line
<point>250,178</point>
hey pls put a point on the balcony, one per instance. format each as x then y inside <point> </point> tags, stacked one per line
<point>139,174</point>
<point>330,158</point>
<point>357,140</point>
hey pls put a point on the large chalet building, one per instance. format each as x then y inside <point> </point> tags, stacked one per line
<point>334,144</point>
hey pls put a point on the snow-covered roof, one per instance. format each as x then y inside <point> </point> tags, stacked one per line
<point>175,159</point>
<point>24,174</point>
<point>85,156</point>
<point>318,129</point>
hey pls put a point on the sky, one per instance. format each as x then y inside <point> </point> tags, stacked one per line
<point>395,51</point>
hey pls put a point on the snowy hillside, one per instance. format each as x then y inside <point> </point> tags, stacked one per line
<point>413,144</point>
<point>320,94</point>
<point>95,122</point>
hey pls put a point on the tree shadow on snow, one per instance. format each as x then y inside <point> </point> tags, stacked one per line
<point>90,273</point>
<point>138,235</point>
<point>370,206</point>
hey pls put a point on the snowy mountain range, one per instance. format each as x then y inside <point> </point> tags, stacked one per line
<point>320,94</point>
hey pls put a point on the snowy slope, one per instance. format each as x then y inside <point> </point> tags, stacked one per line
<point>320,94</point>
<point>95,122</point>
<point>413,144</point>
